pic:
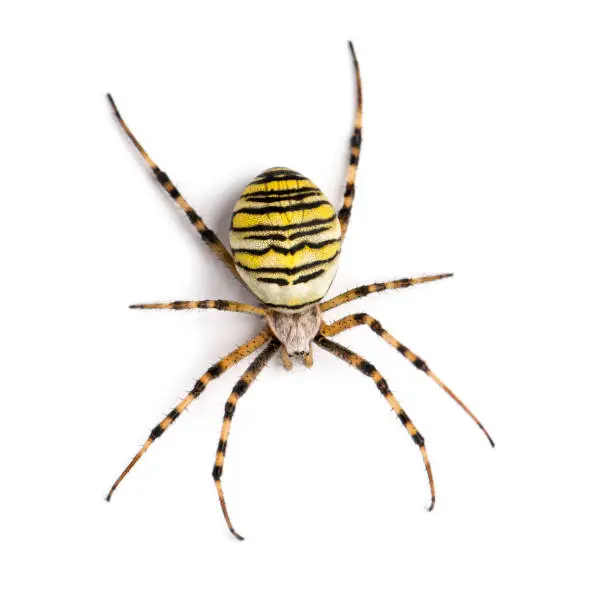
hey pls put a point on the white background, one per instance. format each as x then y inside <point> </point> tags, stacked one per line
<point>487,153</point>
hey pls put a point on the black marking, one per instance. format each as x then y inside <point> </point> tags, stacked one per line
<point>277,175</point>
<point>356,139</point>
<point>296,307</point>
<point>157,431</point>
<point>215,370</point>
<point>267,237</point>
<point>161,176</point>
<point>173,191</point>
<point>354,159</point>
<point>362,291</point>
<point>274,195</point>
<point>273,281</point>
<point>420,364</point>
<point>209,235</point>
<point>222,304</point>
<point>174,414</point>
<point>403,418</point>
<point>350,190</point>
<point>383,387</point>
<point>240,387</point>
<point>296,248</point>
<point>259,228</point>
<point>308,277</point>
<point>418,438</point>
<point>198,387</point>
<point>366,367</point>
<point>222,446</point>
<point>180,305</point>
<point>217,471</point>
<point>344,214</point>
<point>289,271</point>
<point>192,216</point>
<point>230,408</point>
<point>377,327</point>
<point>360,317</point>
<point>264,210</point>
<point>313,232</point>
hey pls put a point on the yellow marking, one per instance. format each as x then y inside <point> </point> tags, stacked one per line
<point>199,225</point>
<point>288,261</point>
<point>279,184</point>
<point>323,212</point>
<point>219,459</point>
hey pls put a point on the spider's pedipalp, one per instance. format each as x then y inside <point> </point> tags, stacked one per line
<point>344,214</point>
<point>359,292</point>
<point>207,235</point>
<point>365,367</point>
<point>240,388</point>
<point>213,372</point>
<point>355,320</point>
<point>204,304</point>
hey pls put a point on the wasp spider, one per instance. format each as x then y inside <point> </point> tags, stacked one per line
<point>285,242</point>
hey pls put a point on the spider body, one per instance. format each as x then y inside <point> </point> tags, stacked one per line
<point>286,238</point>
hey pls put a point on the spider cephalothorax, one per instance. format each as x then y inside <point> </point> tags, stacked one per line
<point>286,240</point>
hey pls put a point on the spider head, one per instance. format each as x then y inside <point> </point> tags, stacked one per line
<point>295,330</point>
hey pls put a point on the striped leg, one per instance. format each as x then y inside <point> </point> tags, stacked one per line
<point>351,321</point>
<point>207,235</point>
<point>365,367</point>
<point>204,304</point>
<point>364,290</point>
<point>240,388</point>
<point>344,214</point>
<point>213,372</point>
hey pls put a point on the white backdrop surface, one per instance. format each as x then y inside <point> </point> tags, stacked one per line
<point>487,153</point>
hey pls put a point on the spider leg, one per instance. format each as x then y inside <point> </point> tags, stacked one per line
<point>351,321</point>
<point>207,235</point>
<point>344,213</point>
<point>240,388</point>
<point>365,367</point>
<point>213,372</point>
<point>359,292</point>
<point>204,304</point>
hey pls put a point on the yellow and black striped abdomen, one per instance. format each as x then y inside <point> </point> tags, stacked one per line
<point>285,239</point>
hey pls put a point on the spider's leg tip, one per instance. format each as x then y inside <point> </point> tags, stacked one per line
<point>108,497</point>
<point>432,504</point>
<point>237,536</point>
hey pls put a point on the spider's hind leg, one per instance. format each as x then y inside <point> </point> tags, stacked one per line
<point>351,321</point>
<point>365,367</point>
<point>213,372</point>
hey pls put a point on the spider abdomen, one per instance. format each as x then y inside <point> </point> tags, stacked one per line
<point>285,239</point>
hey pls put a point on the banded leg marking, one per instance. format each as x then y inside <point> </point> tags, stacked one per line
<point>213,372</point>
<point>365,367</point>
<point>204,304</point>
<point>207,235</point>
<point>351,321</point>
<point>240,388</point>
<point>344,214</point>
<point>364,290</point>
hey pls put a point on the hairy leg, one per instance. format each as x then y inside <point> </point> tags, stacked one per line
<point>364,290</point>
<point>207,235</point>
<point>204,304</point>
<point>240,388</point>
<point>351,321</point>
<point>213,372</point>
<point>365,367</point>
